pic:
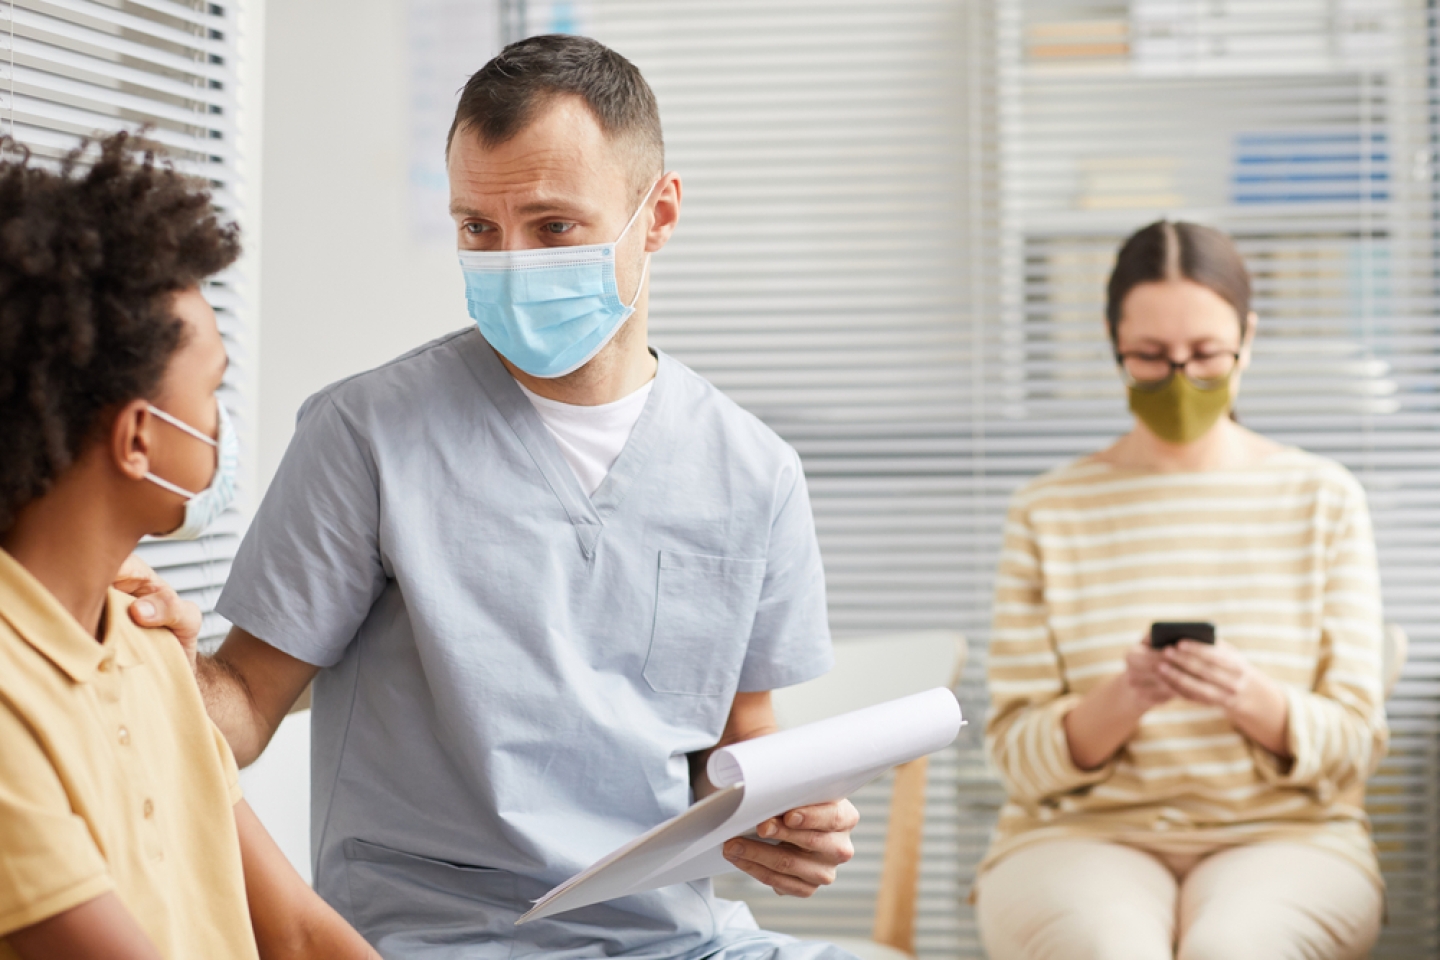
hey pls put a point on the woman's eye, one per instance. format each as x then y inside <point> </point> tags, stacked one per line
<point>559,229</point>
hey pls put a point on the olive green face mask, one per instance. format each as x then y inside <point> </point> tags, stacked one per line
<point>1179,411</point>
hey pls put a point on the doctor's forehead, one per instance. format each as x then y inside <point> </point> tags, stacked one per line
<point>561,157</point>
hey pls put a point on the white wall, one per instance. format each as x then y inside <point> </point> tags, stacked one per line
<point>251,71</point>
<point>346,287</point>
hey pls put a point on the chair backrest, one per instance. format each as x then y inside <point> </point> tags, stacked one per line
<point>872,670</point>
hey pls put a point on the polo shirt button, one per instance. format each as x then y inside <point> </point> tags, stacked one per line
<point>149,809</point>
<point>107,665</point>
<point>124,736</point>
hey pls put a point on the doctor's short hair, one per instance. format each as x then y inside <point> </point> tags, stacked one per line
<point>91,248</point>
<point>506,94</point>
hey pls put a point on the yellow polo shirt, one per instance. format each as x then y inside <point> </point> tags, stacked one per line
<point>112,778</point>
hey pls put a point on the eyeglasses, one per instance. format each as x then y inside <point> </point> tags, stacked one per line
<point>1151,371</point>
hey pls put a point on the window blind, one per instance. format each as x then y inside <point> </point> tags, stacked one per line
<point>899,219</point>
<point>74,68</point>
<point>816,278</point>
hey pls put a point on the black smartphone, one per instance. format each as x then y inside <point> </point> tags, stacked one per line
<point>1164,635</point>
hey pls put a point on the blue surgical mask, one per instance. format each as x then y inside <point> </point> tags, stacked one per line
<point>205,507</point>
<point>549,311</point>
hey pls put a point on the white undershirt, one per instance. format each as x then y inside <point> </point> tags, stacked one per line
<point>591,438</point>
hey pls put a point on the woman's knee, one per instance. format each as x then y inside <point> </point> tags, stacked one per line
<point>1077,901</point>
<point>1278,902</point>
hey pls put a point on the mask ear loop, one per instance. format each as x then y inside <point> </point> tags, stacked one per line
<point>181,425</point>
<point>645,271</point>
<point>636,215</point>
<point>640,287</point>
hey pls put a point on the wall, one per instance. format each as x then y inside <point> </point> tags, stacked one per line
<point>346,287</point>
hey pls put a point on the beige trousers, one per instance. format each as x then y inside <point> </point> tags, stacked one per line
<point>1093,900</point>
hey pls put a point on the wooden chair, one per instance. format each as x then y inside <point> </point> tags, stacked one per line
<point>869,671</point>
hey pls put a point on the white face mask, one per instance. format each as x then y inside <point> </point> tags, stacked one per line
<point>205,507</point>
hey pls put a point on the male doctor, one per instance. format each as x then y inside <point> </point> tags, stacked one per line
<point>537,569</point>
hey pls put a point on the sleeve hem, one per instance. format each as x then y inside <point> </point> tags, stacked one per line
<point>1050,771</point>
<point>788,676</point>
<point>56,903</point>
<point>273,635</point>
<point>1072,777</point>
<point>1272,769</point>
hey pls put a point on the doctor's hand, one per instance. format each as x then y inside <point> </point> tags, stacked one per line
<point>806,845</point>
<point>158,605</point>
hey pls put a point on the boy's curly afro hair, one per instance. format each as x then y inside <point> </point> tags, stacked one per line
<point>89,256</point>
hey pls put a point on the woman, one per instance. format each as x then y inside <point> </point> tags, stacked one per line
<point>1198,800</point>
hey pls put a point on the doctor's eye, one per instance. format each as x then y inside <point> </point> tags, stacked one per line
<point>559,228</point>
<point>476,229</point>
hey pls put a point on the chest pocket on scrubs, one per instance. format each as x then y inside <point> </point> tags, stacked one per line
<point>704,609</point>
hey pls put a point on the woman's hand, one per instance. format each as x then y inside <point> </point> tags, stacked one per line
<point>1107,717</point>
<point>1143,676</point>
<point>1220,676</point>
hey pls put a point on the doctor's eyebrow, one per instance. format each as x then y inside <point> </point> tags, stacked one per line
<point>528,210</point>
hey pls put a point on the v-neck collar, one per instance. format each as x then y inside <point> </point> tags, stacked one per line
<point>588,514</point>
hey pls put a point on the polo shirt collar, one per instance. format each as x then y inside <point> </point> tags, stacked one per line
<point>41,620</point>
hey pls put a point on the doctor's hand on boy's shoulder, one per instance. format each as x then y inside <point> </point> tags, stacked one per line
<point>158,605</point>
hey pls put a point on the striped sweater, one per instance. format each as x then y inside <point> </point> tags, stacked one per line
<point>1280,556</point>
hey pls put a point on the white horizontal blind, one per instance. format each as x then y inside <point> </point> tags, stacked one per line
<point>899,219</point>
<point>75,68</point>
<point>816,277</point>
<point>1303,128</point>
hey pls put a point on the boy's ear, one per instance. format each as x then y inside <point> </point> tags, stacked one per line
<point>130,439</point>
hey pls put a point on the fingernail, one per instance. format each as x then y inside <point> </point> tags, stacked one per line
<point>145,608</point>
<point>768,829</point>
<point>733,850</point>
<point>795,819</point>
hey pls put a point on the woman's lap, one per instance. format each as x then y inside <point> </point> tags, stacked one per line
<point>1082,899</point>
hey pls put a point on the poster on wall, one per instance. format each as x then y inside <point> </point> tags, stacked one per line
<point>447,40</point>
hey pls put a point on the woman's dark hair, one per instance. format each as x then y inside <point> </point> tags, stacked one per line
<point>1179,251</point>
<point>90,253</point>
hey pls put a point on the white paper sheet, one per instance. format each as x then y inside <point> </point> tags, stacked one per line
<point>759,779</point>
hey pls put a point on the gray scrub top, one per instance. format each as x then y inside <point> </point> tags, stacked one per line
<point>515,672</point>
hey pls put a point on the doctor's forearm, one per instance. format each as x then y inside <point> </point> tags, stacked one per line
<point>751,715</point>
<point>231,707</point>
<point>248,687</point>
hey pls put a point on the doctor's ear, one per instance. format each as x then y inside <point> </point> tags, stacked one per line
<point>667,212</point>
<point>130,436</point>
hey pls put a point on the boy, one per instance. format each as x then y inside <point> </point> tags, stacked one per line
<point>123,834</point>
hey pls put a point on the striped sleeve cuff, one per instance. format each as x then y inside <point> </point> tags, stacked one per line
<point>1306,735</point>
<point>1034,755</point>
